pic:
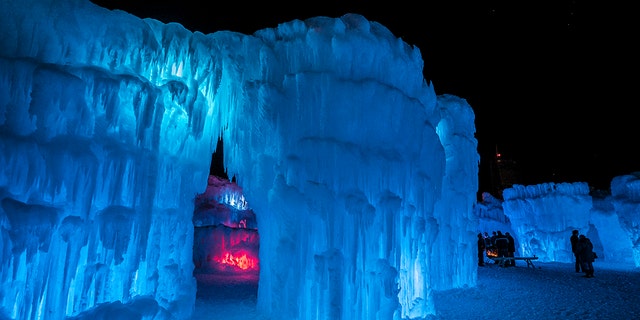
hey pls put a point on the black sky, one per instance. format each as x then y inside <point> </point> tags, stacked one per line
<point>552,83</point>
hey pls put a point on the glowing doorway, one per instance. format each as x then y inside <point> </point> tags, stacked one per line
<point>226,240</point>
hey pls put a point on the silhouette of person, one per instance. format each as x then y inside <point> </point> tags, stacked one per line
<point>502,244</point>
<point>494,235</point>
<point>511,249</point>
<point>585,251</point>
<point>487,241</point>
<point>492,246</point>
<point>481,248</point>
<point>574,248</point>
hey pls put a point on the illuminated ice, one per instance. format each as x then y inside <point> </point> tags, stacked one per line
<point>542,217</point>
<point>362,180</point>
<point>357,172</point>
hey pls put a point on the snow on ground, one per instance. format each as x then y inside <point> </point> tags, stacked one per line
<point>549,291</point>
<point>226,299</point>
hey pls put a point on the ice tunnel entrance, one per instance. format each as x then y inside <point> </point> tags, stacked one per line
<point>226,240</point>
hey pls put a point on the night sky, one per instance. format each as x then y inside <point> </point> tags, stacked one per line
<point>552,83</point>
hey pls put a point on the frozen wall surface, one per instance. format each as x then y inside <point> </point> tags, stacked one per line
<point>357,173</point>
<point>543,216</point>
<point>625,193</point>
<point>491,215</point>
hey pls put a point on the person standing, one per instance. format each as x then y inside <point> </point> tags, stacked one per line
<point>511,251</point>
<point>494,235</point>
<point>481,248</point>
<point>502,244</point>
<point>574,248</point>
<point>487,241</point>
<point>585,252</point>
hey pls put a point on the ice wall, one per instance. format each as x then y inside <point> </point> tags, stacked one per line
<point>352,171</point>
<point>625,192</point>
<point>491,215</point>
<point>544,215</point>
<point>455,218</point>
<point>223,202</point>
<point>99,165</point>
<point>354,167</point>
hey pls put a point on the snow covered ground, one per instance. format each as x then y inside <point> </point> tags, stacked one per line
<point>229,301</point>
<point>550,291</point>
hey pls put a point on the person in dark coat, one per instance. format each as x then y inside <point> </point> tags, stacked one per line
<point>488,244</point>
<point>481,248</point>
<point>494,235</point>
<point>585,253</point>
<point>502,244</point>
<point>487,241</point>
<point>574,248</point>
<point>511,251</point>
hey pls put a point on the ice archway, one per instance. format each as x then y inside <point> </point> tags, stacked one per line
<point>364,178</point>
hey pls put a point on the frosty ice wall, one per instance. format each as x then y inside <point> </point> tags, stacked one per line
<point>625,198</point>
<point>354,168</point>
<point>542,217</point>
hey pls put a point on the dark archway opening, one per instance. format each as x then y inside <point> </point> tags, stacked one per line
<point>226,241</point>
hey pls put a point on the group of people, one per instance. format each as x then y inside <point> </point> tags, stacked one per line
<point>503,245</point>
<point>583,251</point>
<point>498,245</point>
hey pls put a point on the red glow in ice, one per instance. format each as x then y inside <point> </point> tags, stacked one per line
<point>241,261</point>
<point>226,250</point>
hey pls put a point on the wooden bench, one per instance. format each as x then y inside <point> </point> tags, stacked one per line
<point>503,260</point>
